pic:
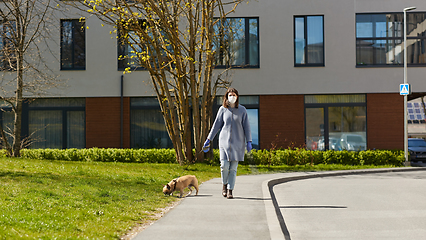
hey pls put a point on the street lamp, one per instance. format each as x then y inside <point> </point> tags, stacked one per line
<point>405,82</point>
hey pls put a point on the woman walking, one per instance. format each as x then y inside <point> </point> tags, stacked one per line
<point>235,133</point>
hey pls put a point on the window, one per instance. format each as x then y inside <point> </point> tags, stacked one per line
<point>335,122</point>
<point>131,46</point>
<point>148,130</point>
<point>7,118</point>
<point>237,42</point>
<point>308,41</point>
<point>73,44</point>
<point>127,48</point>
<point>380,39</point>
<point>7,48</point>
<point>126,53</point>
<point>57,123</point>
<point>251,103</point>
<point>50,122</point>
<point>147,127</point>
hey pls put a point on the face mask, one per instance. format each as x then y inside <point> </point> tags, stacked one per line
<point>232,99</point>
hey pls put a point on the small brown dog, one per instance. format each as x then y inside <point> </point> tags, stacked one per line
<point>178,184</point>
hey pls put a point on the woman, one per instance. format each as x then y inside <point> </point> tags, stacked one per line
<point>233,122</point>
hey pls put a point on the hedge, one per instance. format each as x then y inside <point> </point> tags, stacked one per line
<point>289,157</point>
<point>103,155</point>
<point>301,156</point>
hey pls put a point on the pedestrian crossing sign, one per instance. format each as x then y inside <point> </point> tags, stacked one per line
<point>404,89</point>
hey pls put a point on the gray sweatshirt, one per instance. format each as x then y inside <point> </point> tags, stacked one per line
<point>235,132</point>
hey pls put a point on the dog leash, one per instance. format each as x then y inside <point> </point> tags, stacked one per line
<point>204,148</point>
<point>189,163</point>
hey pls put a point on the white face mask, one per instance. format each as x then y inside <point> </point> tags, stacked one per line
<point>232,99</point>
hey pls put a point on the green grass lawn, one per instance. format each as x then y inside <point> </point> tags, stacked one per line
<point>75,200</point>
<point>42,199</point>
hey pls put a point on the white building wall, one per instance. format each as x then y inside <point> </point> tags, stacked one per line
<point>277,74</point>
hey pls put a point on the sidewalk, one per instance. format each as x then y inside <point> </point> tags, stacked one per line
<point>211,216</point>
<point>250,215</point>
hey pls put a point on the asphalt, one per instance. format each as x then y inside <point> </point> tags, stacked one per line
<point>365,206</point>
<point>254,212</point>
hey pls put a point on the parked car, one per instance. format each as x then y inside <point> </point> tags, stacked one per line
<point>353,142</point>
<point>333,144</point>
<point>417,149</point>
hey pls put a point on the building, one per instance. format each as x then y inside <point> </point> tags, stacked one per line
<point>315,72</point>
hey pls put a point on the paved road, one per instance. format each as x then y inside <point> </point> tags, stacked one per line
<point>363,204</point>
<point>369,206</point>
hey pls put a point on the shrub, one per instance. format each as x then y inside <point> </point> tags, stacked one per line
<point>300,156</point>
<point>103,155</point>
<point>290,157</point>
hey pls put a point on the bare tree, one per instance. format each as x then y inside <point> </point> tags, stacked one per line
<point>24,27</point>
<point>175,41</point>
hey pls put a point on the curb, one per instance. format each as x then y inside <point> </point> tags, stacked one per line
<point>276,224</point>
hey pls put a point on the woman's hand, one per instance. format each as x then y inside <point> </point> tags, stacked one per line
<point>249,147</point>
<point>206,146</point>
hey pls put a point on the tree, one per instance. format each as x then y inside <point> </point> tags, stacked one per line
<point>24,26</point>
<point>175,42</point>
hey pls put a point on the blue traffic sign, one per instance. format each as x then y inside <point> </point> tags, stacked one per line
<point>404,89</point>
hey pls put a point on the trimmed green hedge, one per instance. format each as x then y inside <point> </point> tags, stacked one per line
<point>293,157</point>
<point>289,157</point>
<point>103,155</point>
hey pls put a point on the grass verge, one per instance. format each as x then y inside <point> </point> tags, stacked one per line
<point>42,199</point>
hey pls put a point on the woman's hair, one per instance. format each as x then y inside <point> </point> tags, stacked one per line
<point>225,102</point>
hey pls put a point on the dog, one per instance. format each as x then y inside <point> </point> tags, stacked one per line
<point>178,184</point>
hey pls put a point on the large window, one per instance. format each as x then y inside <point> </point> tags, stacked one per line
<point>380,39</point>
<point>73,44</point>
<point>309,40</point>
<point>7,118</point>
<point>251,103</point>
<point>148,130</point>
<point>127,53</point>
<point>132,47</point>
<point>128,45</point>
<point>49,122</point>
<point>335,122</point>
<point>147,127</point>
<point>237,42</point>
<point>57,123</point>
<point>7,48</point>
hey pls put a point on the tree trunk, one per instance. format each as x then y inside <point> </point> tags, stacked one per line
<point>18,110</point>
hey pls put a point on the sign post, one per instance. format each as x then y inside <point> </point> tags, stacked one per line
<point>405,89</point>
